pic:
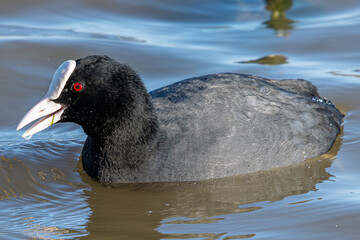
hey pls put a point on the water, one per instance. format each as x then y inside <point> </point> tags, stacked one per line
<point>45,195</point>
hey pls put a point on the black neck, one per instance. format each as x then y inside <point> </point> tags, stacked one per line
<point>116,156</point>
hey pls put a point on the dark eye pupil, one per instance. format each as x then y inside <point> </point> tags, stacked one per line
<point>78,87</point>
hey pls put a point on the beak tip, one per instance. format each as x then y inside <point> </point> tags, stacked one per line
<point>26,136</point>
<point>47,110</point>
<point>20,125</point>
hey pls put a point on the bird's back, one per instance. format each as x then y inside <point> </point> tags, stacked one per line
<point>227,124</point>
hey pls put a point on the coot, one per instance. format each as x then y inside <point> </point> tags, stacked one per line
<point>205,127</point>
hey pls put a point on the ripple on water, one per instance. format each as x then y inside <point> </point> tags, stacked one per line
<point>40,193</point>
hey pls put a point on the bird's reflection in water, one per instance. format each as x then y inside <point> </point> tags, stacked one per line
<point>137,210</point>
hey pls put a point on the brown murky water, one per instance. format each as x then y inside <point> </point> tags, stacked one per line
<point>45,195</point>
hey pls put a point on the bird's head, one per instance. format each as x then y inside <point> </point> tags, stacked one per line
<point>93,91</point>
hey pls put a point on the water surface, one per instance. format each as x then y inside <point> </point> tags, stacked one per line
<point>44,193</point>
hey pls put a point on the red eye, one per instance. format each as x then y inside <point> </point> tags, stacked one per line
<point>78,87</point>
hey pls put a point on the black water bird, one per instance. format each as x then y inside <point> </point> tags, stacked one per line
<point>200,128</point>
